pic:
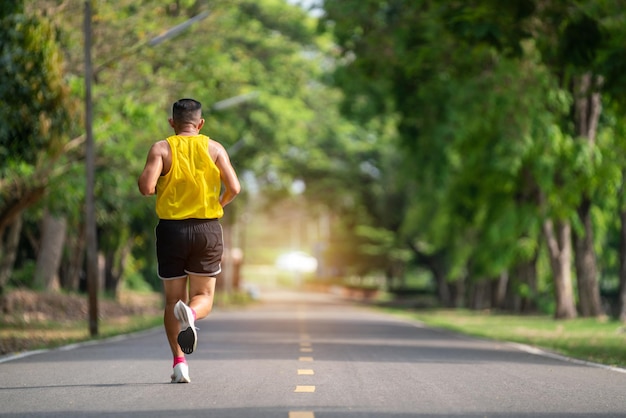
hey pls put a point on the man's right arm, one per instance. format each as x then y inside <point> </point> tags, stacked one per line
<point>152,170</point>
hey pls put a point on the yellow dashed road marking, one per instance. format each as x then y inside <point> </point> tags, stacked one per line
<point>301,414</point>
<point>305,347</point>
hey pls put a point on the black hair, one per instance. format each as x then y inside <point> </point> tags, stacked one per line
<point>186,111</point>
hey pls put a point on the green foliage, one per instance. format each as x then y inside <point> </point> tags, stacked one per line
<point>266,47</point>
<point>11,7</point>
<point>459,142</point>
<point>25,276</point>
<point>480,93</point>
<point>33,112</point>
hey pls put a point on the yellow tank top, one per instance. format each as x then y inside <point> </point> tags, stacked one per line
<point>191,189</point>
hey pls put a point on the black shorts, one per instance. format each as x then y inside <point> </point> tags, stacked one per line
<point>189,246</point>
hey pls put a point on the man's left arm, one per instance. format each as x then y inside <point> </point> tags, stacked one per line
<point>228,175</point>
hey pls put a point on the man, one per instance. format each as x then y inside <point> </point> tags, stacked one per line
<point>187,171</point>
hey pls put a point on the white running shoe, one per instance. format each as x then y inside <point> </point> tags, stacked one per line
<point>181,373</point>
<point>187,337</point>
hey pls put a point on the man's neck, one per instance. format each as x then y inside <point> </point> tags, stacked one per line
<point>187,129</point>
<point>188,132</point>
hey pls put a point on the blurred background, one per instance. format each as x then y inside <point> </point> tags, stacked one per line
<point>436,153</point>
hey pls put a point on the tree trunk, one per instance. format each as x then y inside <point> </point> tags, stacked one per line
<point>8,250</point>
<point>53,232</point>
<point>475,295</point>
<point>443,289</point>
<point>587,112</point>
<point>586,265</point>
<point>522,287</point>
<point>587,105</point>
<point>483,293</point>
<point>437,266</point>
<point>458,291</point>
<point>73,271</point>
<point>14,208</point>
<point>498,296</point>
<point>11,221</point>
<point>560,250</point>
<point>114,267</point>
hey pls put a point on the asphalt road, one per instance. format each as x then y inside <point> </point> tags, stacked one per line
<point>308,357</point>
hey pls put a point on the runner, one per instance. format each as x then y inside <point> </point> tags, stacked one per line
<point>187,171</point>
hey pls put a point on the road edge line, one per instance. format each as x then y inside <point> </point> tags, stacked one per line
<point>19,355</point>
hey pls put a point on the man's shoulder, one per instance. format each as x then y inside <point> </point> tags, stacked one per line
<point>215,149</point>
<point>162,146</point>
<point>214,142</point>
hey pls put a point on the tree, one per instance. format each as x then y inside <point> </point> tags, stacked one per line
<point>420,59</point>
<point>266,47</point>
<point>457,162</point>
<point>34,112</point>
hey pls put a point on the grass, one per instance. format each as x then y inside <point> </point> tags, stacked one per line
<point>600,341</point>
<point>45,334</point>
<point>37,320</point>
<point>43,321</point>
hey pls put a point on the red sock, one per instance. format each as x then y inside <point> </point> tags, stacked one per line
<point>179,360</point>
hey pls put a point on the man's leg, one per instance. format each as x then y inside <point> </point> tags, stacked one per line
<point>201,291</point>
<point>175,290</point>
<point>201,294</point>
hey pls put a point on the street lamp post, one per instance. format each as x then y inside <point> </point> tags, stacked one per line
<point>90,212</point>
